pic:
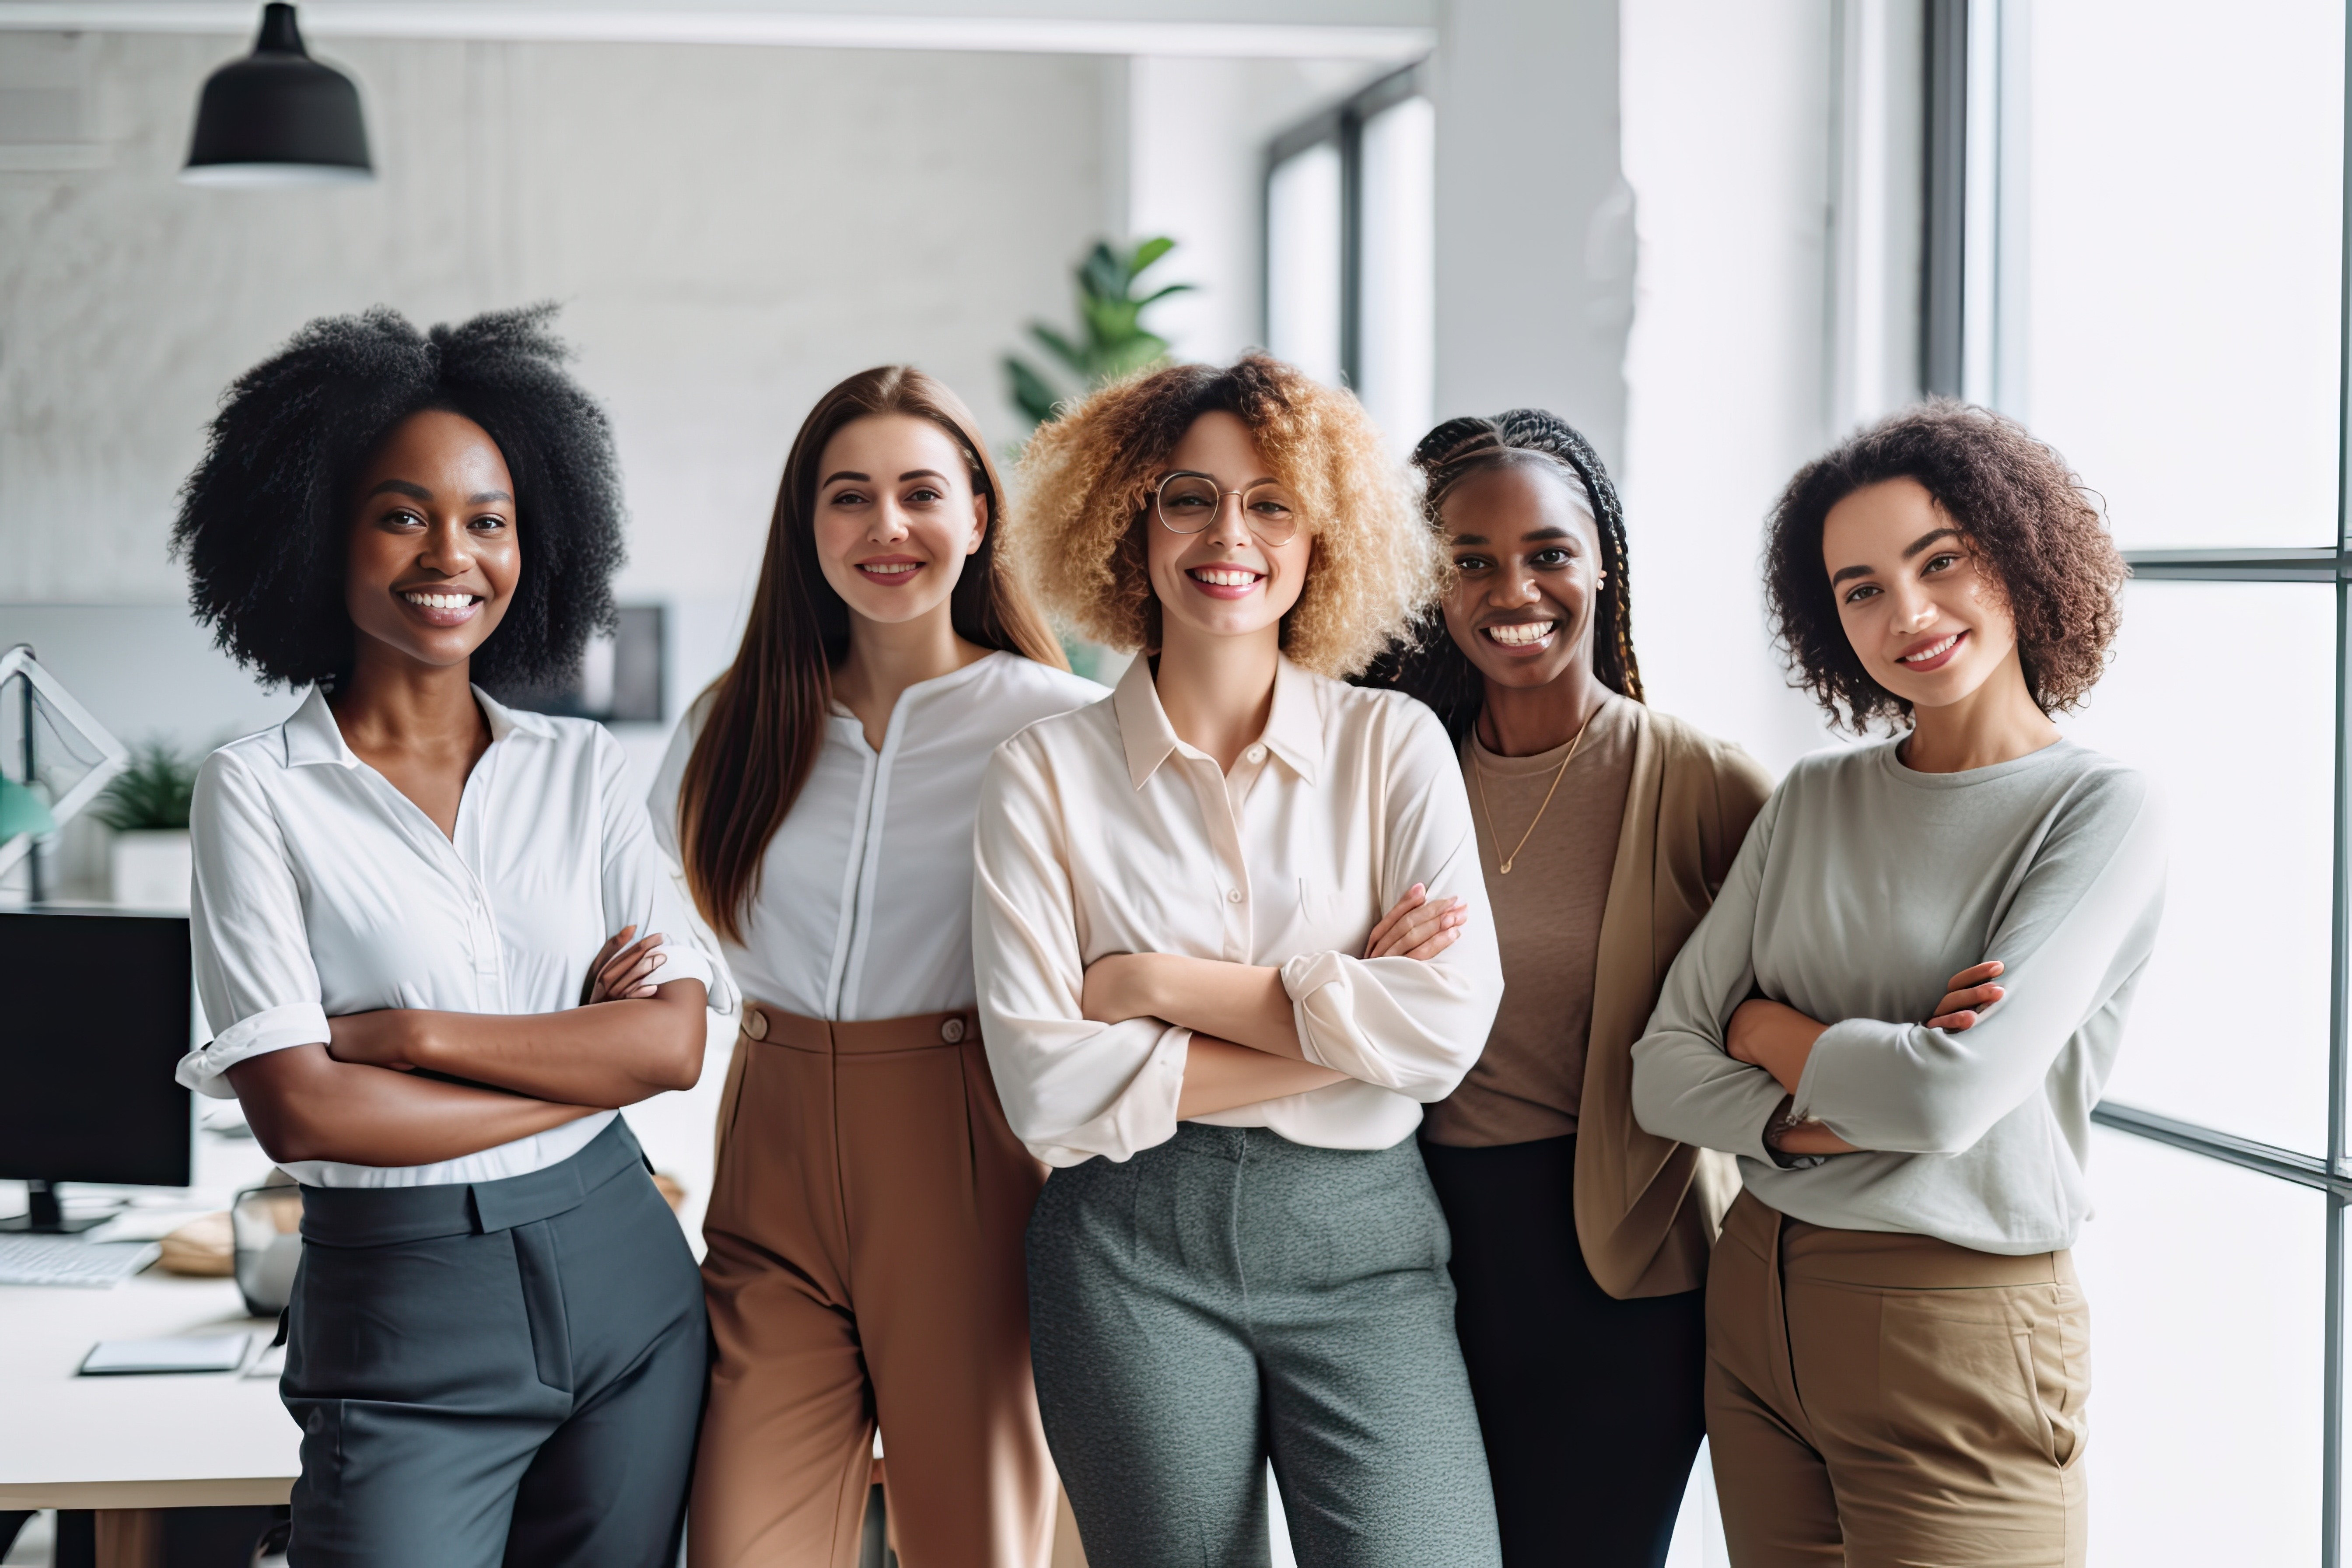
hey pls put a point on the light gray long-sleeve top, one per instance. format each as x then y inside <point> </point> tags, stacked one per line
<point>1861,888</point>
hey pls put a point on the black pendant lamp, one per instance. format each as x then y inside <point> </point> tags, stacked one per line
<point>277,117</point>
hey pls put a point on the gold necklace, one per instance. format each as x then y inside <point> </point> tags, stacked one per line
<point>1503,870</point>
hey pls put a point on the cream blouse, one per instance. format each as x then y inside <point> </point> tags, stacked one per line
<point>1100,832</point>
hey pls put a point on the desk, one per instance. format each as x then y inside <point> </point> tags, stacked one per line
<point>187,1440</point>
<point>204,1439</point>
<point>122,1444</point>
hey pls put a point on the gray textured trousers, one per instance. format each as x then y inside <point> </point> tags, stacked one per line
<point>1231,1297</point>
<point>501,1371</point>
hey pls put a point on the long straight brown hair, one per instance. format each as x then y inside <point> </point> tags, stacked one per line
<point>767,716</point>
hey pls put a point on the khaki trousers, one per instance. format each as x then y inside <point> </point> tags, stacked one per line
<point>866,1265</point>
<point>1882,1401</point>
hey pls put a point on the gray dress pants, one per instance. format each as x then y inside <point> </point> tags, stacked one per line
<point>1231,1297</point>
<point>501,1371</point>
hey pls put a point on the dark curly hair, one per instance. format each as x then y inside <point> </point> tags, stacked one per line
<point>2017,503</point>
<point>1425,662</point>
<point>264,519</point>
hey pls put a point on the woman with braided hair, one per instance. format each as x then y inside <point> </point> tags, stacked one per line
<point>1605,828</point>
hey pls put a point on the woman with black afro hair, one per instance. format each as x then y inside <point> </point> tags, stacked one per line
<point>495,1342</point>
<point>1605,828</point>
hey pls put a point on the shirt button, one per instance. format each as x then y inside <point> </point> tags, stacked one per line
<point>1233,895</point>
<point>1255,753</point>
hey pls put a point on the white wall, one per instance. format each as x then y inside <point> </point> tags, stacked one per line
<point>1535,237</point>
<point>732,229</point>
<point>1196,135</point>
<point>1632,208</point>
<point>1727,117</point>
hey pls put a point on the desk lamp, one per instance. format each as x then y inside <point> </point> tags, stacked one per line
<point>25,816</point>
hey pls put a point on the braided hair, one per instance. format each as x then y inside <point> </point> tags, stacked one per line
<point>1425,662</point>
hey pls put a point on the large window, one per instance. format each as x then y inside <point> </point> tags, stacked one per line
<point>2136,243</point>
<point>1350,250</point>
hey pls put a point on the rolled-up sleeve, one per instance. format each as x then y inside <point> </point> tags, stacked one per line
<point>639,889</point>
<point>1410,1025</point>
<point>1072,1089</point>
<point>255,975</point>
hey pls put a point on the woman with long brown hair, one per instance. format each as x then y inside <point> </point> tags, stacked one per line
<point>864,1228</point>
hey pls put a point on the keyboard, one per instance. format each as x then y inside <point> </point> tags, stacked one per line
<point>66,1260</point>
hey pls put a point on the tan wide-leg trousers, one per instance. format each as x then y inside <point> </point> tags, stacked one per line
<point>1880,1401</point>
<point>865,1264</point>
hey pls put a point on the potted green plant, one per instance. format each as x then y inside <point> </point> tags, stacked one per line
<point>1111,341</point>
<point>147,807</point>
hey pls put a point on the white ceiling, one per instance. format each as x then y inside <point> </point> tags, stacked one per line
<point>1344,30</point>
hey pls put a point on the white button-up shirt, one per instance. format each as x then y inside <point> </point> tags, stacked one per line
<point>322,890</point>
<point>1101,832</point>
<point>864,905</point>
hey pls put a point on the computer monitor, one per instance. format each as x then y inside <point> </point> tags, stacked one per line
<point>97,1015</point>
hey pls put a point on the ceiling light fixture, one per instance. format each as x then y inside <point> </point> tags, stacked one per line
<point>277,117</point>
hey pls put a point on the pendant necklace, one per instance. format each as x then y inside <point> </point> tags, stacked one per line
<point>1504,868</point>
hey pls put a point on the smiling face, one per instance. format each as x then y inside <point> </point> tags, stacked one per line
<point>1926,617</point>
<point>896,516</point>
<point>1226,581</point>
<point>1527,574</point>
<point>432,557</point>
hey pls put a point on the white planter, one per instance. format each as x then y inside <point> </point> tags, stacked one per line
<point>151,869</point>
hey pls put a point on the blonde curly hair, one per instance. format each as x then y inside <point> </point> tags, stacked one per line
<point>1075,531</point>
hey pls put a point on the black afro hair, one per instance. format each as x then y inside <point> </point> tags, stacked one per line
<point>264,519</point>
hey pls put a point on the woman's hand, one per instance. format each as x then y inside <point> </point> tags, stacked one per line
<point>619,972</point>
<point>379,1039</point>
<point>1773,1035</point>
<point>1418,926</point>
<point>1969,997</point>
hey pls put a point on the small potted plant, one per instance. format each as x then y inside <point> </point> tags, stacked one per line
<point>147,807</point>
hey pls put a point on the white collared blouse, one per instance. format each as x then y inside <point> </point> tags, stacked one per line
<point>863,909</point>
<point>322,891</point>
<point>1101,832</point>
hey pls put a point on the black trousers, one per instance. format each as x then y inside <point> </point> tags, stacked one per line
<point>1591,1407</point>
<point>501,1371</point>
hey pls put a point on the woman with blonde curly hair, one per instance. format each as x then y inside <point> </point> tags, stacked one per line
<point>1230,936</point>
<point>1897,1350</point>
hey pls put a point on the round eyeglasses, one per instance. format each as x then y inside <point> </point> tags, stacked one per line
<point>1188,502</point>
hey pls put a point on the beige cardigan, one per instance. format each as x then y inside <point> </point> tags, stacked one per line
<point>1648,1210</point>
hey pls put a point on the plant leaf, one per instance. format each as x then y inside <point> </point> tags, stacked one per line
<point>1149,251</point>
<point>1060,347</point>
<point>1032,392</point>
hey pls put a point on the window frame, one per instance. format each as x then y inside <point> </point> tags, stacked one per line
<point>1954,283</point>
<point>1341,125</point>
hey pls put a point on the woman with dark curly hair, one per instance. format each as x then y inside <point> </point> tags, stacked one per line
<point>495,1342</point>
<point>1900,1012</point>
<point>1605,828</point>
<point>1231,937</point>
